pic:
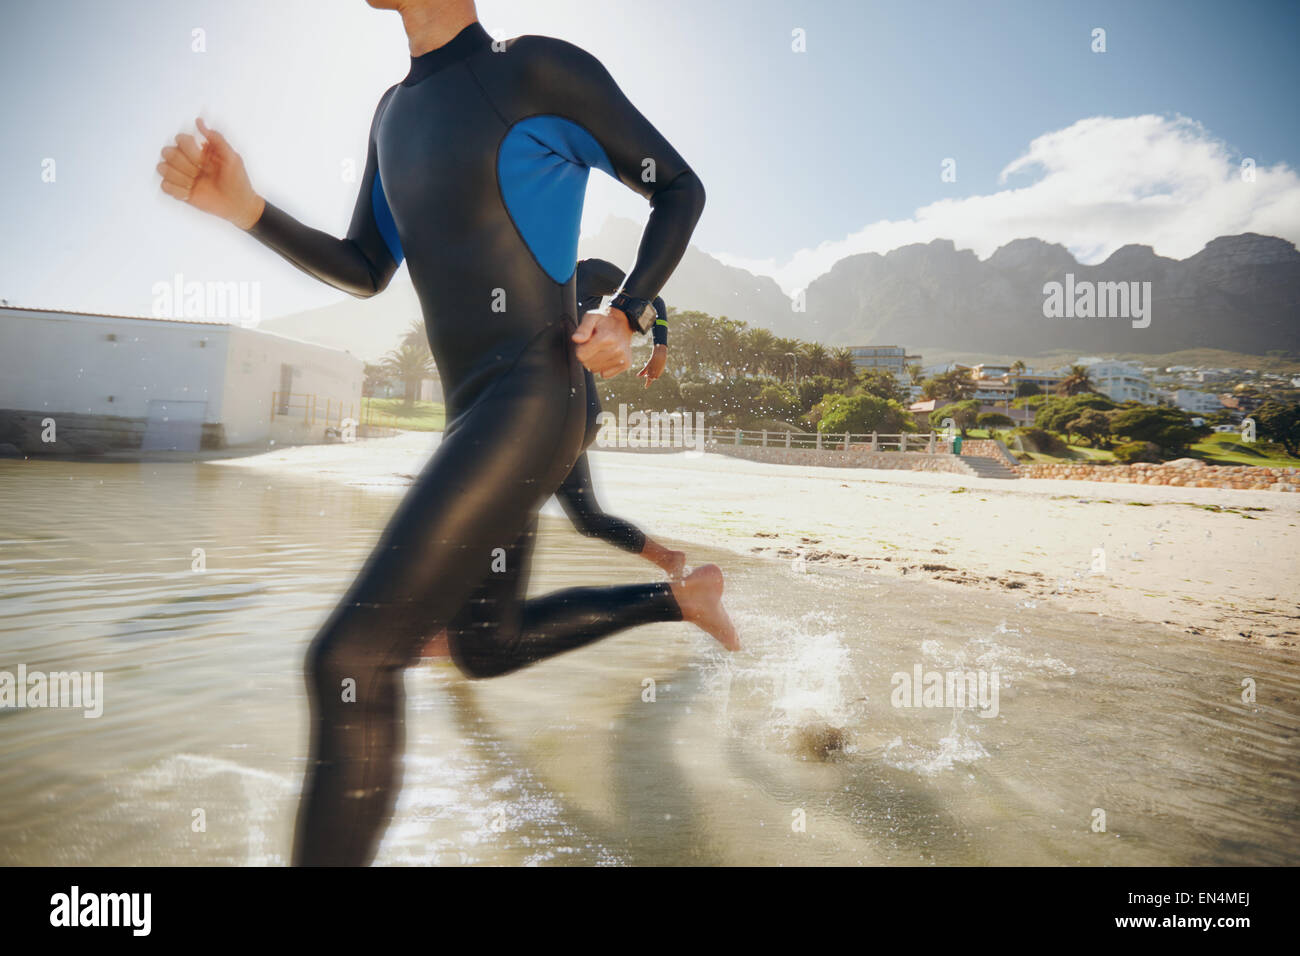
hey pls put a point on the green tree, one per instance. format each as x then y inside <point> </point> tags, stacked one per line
<point>1041,441</point>
<point>761,345</point>
<point>1169,428</point>
<point>374,377</point>
<point>1280,423</point>
<point>813,358</point>
<point>882,383</point>
<point>786,358</point>
<point>1092,425</point>
<point>951,386</point>
<point>861,414</point>
<point>410,364</point>
<point>777,402</point>
<point>1077,381</point>
<point>992,420</point>
<point>1054,412</point>
<point>811,390</point>
<point>963,415</point>
<point>416,334</point>
<point>840,364</point>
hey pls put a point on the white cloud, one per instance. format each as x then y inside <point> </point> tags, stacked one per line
<point>1103,183</point>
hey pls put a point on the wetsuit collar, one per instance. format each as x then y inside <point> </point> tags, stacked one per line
<point>469,40</point>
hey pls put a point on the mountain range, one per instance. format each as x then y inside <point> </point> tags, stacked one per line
<point>1240,294</point>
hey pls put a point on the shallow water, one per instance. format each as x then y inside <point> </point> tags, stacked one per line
<point>790,752</point>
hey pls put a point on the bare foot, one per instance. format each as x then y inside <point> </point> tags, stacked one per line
<point>674,562</point>
<point>700,598</point>
<point>437,646</point>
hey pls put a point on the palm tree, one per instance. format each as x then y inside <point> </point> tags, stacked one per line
<point>411,364</point>
<point>690,338</point>
<point>1077,381</point>
<point>840,363</point>
<point>761,345</point>
<point>415,334</point>
<point>786,356</point>
<point>729,342</point>
<point>815,356</point>
<point>1017,367</point>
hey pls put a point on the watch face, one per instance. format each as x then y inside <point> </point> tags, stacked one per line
<point>637,311</point>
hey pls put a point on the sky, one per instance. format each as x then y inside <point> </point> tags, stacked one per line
<point>821,128</point>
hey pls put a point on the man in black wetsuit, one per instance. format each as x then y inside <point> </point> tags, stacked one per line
<point>595,279</point>
<point>475,173</point>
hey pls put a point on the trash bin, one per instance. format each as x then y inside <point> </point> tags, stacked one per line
<point>956,444</point>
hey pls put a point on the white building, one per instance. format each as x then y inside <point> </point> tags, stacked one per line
<point>993,390</point>
<point>1196,402</point>
<point>1119,381</point>
<point>159,384</point>
<point>891,358</point>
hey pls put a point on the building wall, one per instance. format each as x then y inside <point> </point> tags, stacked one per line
<point>102,365</point>
<point>1194,401</point>
<point>105,374</point>
<point>1119,381</point>
<point>890,357</point>
<point>253,375</point>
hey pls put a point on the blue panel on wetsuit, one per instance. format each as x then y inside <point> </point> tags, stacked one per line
<point>384,220</point>
<point>542,168</point>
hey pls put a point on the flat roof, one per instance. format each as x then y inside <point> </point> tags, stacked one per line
<point>163,321</point>
<point>112,315</point>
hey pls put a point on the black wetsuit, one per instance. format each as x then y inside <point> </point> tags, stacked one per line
<point>476,171</point>
<point>595,279</point>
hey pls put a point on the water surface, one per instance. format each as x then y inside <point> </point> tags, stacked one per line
<point>570,762</point>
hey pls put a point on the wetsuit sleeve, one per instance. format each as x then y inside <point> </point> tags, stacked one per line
<point>661,322</point>
<point>360,264</point>
<point>628,147</point>
<point>595,279</point>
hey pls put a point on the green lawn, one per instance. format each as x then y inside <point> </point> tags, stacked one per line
<point>1227,448</point>
<point>1222,449</point>
<point>420,417</point>
<point>1077,453</point>
<point>1080,453</point>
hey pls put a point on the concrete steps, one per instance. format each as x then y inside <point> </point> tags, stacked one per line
<point>988,467</point>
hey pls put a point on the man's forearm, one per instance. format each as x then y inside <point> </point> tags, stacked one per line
<point>675,210</point>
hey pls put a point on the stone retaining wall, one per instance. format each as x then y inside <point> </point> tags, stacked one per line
<point>1198,475</point>
<point>856,457</point>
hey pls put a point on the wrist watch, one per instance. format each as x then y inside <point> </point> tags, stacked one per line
<point>639,314</point>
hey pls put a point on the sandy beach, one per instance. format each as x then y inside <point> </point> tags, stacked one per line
<point>1205,563</point>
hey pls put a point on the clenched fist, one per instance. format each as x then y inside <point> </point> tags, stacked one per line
<point>210,177</point>
<point>605,342</point>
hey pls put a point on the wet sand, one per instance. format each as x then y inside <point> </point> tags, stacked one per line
<point>1207,563</point>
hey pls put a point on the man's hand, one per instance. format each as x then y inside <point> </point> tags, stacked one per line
<point>605,342</point>
<point>210,178</point>
<point>655,366</point>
